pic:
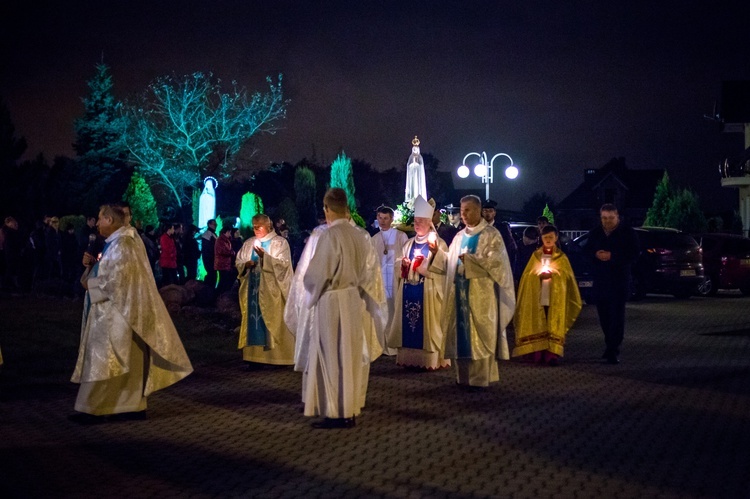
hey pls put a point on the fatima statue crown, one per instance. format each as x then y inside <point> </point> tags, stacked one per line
<point>415,142</point>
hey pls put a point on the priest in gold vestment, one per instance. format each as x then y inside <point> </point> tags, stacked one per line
<point>264,264</point>
<point>479,299</point>
<point>129,346</point>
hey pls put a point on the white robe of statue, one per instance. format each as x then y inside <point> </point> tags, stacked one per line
<point>207,203</point>
<point>415,179</point>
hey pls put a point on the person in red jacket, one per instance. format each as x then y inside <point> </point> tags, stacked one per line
<point>168,257</point>
<point>223,254</point>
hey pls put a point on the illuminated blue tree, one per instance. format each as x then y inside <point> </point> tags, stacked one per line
<point>182,129</point>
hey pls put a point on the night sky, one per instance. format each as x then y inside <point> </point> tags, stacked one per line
<point>560,86</point>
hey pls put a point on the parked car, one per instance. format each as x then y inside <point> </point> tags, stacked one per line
<point>726,258</point>
<point>670,261</point>
<point>517,229</point>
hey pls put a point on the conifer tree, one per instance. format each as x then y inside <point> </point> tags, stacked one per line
<point>11,150</point>
<point>251,205</point>
<point>548,214</point>
<point>141,200</point>
<point>196,206</point>
<point>288,211</point>
<point>304,190</point>
<point>684,213</point>
<point>101,152</point>
<point>341,176</point>
<point>656,216</point>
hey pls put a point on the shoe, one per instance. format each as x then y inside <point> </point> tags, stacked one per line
<point>83,418</point>
<point>128,416</point>
<point>472,388</point>
<point>553,362</point>
<point>333,423</point>
<point>612,359</point>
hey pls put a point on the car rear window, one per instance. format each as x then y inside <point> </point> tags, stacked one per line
<point>666,240</point>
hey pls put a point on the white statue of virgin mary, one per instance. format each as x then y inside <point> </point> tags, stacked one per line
<point>415,180</point>
<point>207,206</point>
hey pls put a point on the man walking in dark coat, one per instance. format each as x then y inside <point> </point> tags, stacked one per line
<point>613,248</point>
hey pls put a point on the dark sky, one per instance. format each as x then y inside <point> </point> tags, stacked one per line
<point>560,86</point>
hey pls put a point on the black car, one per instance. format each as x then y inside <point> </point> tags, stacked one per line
<point>726,258</point>
<point>670,261</point>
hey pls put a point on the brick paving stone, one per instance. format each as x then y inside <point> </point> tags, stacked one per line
<point>670,421</point>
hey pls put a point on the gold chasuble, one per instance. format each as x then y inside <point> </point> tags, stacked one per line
<point>538,330</point>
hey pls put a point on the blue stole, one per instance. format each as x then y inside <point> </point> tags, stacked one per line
<point>412,316</point>
<point>256,327</point>
<point>463,314</point>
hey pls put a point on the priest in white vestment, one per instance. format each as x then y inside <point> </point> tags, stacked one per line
<point>129,346</point>
<point>388,244</point>
<point>479,298</point>
<point>264,266</point>
<point>419,285</point>
<point>344,288</point>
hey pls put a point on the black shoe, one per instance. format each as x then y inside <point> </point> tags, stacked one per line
<point>472,388</point>
<point>331,423</point>
<point>612,359</point>
<point>86,419</point>
<point>128,416</point>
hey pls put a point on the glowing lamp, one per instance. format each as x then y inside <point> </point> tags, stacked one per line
<point>511,172</point>
<point>463,171</point>
<point>480,170</point>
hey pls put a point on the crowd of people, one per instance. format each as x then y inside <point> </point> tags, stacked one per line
<point>51,256</point>
<point>441,298</point>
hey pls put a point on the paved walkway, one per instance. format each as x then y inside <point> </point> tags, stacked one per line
<point>673,420</point>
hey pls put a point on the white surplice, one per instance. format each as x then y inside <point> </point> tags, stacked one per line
<point>344,287</point>
<point>388,246</point>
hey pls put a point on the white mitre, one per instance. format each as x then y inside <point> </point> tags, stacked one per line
<point>422,208</point>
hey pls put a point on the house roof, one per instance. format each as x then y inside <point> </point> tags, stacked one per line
<point>639,186</point>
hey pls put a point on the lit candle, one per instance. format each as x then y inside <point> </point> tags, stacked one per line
<point>431,238</point>
<point>256,243</point>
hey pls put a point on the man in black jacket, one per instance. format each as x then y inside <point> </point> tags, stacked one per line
<point>489,211</point>
<point>613,248</point>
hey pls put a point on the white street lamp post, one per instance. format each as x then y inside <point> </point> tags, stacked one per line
<point>485,169</point>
